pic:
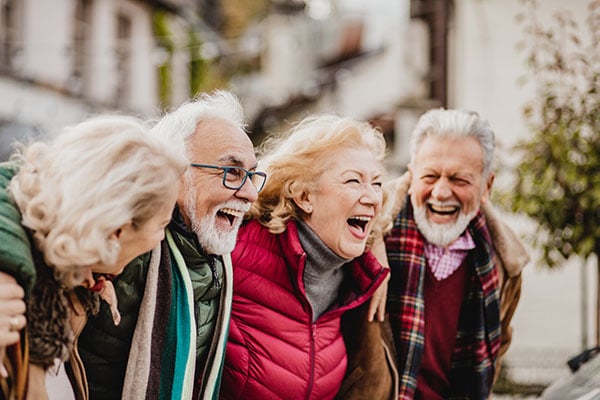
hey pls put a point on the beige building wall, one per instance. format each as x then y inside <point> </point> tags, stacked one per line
<point>120,74</point>
<point>485,66</point>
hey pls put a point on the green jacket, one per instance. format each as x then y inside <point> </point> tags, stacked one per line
<point>15,249</point>
<point>104,348</point>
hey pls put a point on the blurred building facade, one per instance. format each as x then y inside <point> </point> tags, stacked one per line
<point>367,61</point>
<point>65,59</point>
<point>61,60</point>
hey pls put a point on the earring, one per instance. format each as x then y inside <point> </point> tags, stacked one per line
<point>308,209</point>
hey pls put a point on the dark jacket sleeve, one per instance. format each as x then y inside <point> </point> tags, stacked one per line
<point>104,347</point>
<point>371,371</point>
<point>15,248</point>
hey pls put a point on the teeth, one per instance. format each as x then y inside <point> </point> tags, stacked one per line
<point>362,218</point>
<point>359,221</point>
<point>232,212</point>
<point>446,209</point>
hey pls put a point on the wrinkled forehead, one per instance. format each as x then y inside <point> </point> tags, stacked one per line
<point>452,154</point>
<point>221,142</point>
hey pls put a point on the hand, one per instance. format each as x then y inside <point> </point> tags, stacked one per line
<point>377,304</point>
<point>12,314</point>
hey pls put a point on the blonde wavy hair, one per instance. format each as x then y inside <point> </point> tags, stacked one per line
<point>92,178</point>
<point>294,160</point>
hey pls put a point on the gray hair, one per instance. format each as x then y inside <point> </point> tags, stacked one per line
<point>455,124</point>
<point>180,125</point>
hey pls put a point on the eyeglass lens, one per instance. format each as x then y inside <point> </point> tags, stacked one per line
<point>236,177</point>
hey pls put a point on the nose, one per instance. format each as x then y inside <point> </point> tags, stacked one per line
<point>441,190</point>
<point>371,196</point>
<point>247,192</point>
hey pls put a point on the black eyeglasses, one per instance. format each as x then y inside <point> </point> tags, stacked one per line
<point>235,177</point>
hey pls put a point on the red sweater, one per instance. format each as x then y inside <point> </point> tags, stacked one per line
<point>274,350</point>
<point>443,300</point>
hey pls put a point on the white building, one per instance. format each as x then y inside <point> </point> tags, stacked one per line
<point>365,60</point>
<point>61,60</point>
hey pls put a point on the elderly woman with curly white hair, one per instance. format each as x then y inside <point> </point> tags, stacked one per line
<point>93,198</point>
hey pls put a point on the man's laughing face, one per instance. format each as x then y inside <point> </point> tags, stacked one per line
<point>211,210</point>
<point>448,186</point>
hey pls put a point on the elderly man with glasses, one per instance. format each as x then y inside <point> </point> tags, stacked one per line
<point>175,304</point>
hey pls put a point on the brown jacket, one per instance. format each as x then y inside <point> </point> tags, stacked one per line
<point>36,386</point>
<point>512,257</point>
<point>371,371</point>
<point>16,359</point>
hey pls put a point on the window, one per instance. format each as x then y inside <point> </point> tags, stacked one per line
<point>80,45</point>
<point>9,32</point>
<point>123,60</point>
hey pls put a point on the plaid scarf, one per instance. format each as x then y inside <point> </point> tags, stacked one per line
<point>478,336</point>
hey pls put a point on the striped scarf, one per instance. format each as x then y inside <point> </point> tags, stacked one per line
<point>163,348</point>
<point>163,351</point>
<point>478,337</point>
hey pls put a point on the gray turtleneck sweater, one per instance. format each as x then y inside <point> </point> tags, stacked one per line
<point>323,274</point>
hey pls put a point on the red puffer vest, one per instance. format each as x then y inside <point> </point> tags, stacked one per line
<point>274,350</point>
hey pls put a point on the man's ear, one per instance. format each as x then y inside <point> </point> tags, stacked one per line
<point>487,188</point>
<point>304,202</point>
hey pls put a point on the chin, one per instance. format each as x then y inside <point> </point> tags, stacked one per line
<point>218,243</point>
<point>354,252</point>
<point>441,234</point>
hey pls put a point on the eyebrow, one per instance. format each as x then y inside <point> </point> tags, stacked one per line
<point>462,176</point>
<point>379,174</point>
<point>234,161</point>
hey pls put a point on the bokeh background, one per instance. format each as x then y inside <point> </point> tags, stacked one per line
<point>385,61</point>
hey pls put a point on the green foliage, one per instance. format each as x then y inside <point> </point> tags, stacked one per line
<point>206,74</point>
<point>198,66</point>
<point>239,14</point>
<point>216,71</point>
<point>506,385</point>
<point>558,180</point>
<point>165,41</point>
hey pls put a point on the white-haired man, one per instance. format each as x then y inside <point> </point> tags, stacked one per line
<point>455,270</point>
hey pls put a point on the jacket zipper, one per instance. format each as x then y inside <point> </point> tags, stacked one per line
<point>313,334</point>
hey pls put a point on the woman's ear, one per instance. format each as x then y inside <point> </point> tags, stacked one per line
<point>303,201</point>
<point>119,231</point>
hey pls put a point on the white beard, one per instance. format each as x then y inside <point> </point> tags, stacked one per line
<point>441,234</point>
<point>210,238</point>
<point>213,241</point>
